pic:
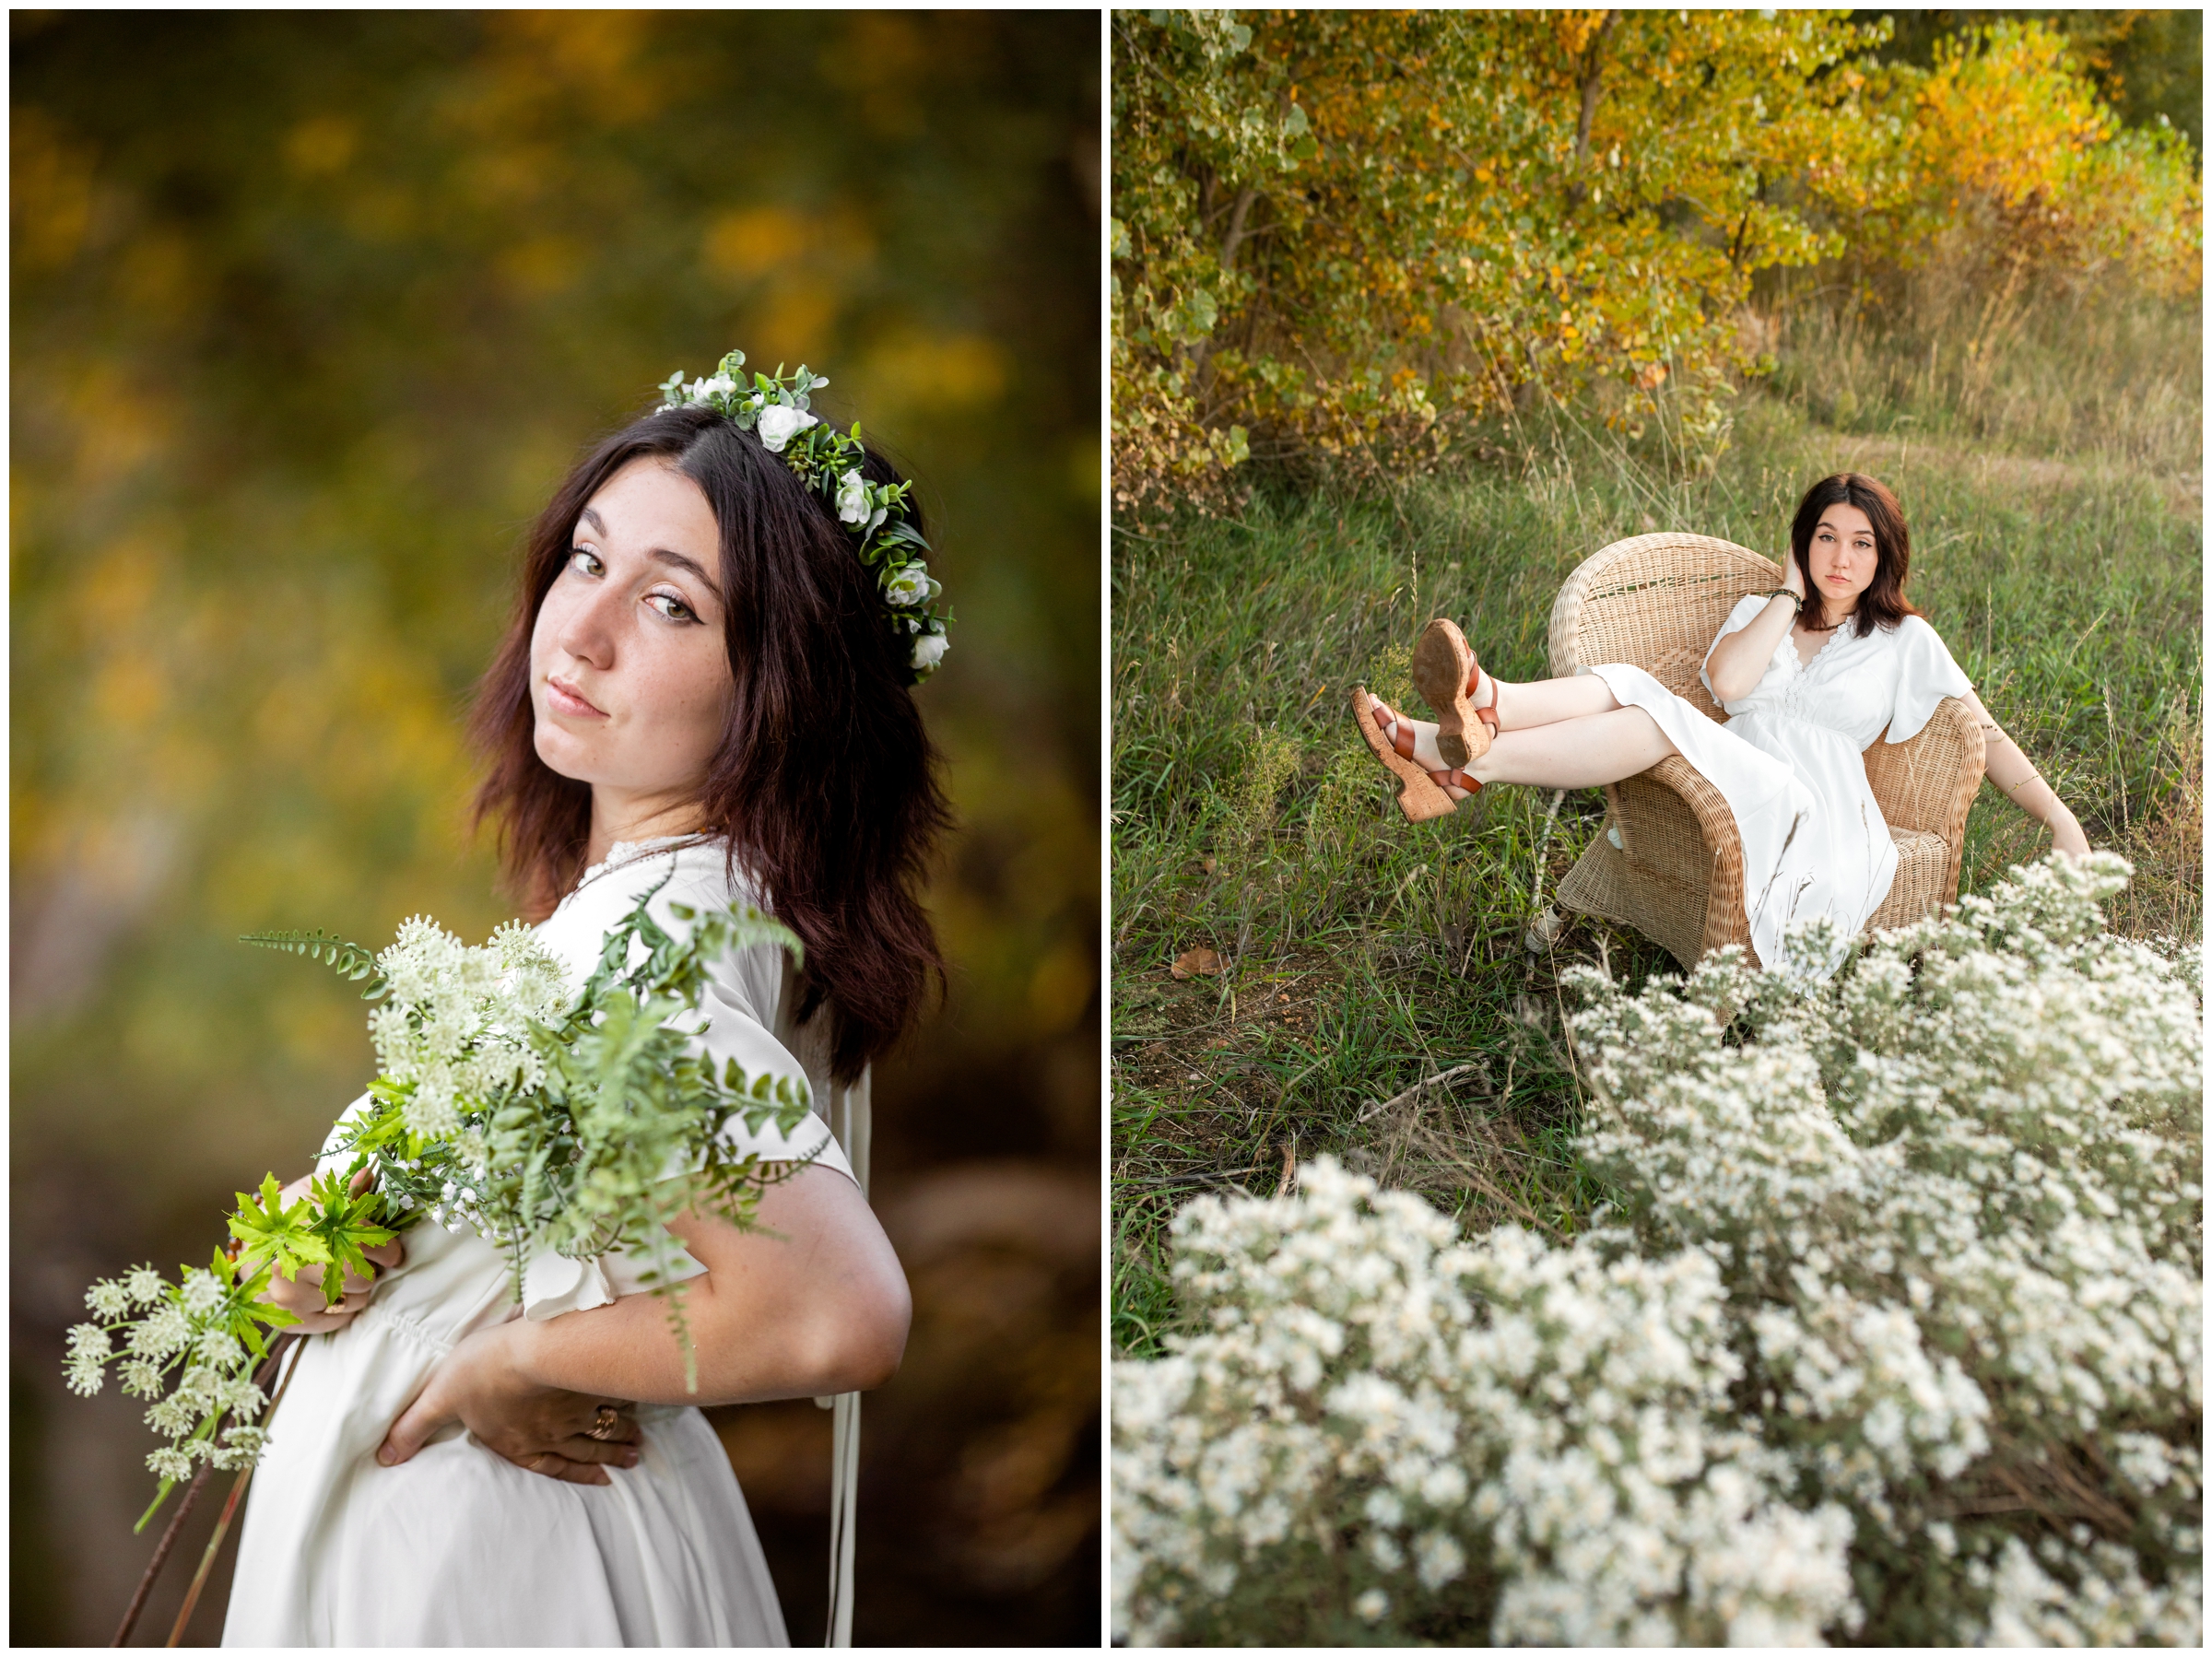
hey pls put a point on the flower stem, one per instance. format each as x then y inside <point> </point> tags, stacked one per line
<point>222,1524</point>
<point>192,1493</point>
<point>153,1569</point>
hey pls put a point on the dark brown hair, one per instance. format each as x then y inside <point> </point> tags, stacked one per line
<point>825,781</point>
<point>1884,603</point>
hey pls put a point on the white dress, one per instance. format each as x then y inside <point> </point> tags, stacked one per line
<point>1787,762</point>
<point>459,1547</point>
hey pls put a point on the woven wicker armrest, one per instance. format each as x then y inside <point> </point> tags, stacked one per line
<point>1928,783</point>
<point>1696,843</point>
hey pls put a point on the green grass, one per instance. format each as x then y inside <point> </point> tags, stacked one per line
<point>1363,953</point>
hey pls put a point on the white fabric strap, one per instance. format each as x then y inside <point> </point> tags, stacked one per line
<point>849,1120</point>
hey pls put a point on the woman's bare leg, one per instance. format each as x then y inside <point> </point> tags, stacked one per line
<point>1587,751</point>
<point>1547,701</point>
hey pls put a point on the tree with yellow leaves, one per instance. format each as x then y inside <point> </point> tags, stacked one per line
<point>1345,238</point>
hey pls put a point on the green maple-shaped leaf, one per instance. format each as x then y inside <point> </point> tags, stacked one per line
<point>273,1231</point>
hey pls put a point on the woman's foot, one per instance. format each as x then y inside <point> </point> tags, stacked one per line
<point>1408,747</point>
<point>1453,682</point>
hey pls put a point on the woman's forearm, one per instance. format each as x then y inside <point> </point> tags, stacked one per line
<point>1739,661</point>
<point>812,1303</point>
<point>2014,775</point>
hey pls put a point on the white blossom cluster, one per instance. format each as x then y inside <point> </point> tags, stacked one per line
<point>1898,1286</point>
<point>454,1028</point>
<point>189,1328</point>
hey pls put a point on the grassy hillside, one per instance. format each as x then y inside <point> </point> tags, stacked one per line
<point>2050,463</point>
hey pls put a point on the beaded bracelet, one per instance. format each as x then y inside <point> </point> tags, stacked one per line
<point>1785,592</point>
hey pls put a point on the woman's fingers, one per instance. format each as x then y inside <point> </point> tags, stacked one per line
<point>297,1293</point>
<point>414,1425</point>
<point>610,1453</point>
<point>561,1468</point>
<point>388,1255</point>
<point>622,1429</point>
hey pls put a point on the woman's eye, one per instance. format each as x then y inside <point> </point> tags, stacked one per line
<point>676,609</point>
<point>585,563</point>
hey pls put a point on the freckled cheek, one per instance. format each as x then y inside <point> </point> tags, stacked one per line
<point>691,696</point>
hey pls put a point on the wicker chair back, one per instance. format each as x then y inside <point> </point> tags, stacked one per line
<point>1655,601</point>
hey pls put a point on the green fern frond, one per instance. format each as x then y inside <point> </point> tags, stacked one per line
<point>351,961</point>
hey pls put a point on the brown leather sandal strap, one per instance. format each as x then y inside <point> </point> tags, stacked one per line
<point>1402,738</point>
<point>1487,715</point>
<point>1459,779</point>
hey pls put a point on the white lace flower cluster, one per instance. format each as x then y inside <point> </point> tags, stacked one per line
<point>454,1030</point>
<point>1900,1285</point>
<point>828,462</point>
<point>149,1327</point>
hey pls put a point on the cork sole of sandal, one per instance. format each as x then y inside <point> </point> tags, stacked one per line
<point>1418,796</point>
<point>1442,663</point>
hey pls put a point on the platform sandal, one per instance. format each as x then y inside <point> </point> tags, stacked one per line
<point>1421,794</point>
<point>1447,676</point>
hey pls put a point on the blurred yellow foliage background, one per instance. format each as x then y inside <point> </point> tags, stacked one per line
<point>310,313</point>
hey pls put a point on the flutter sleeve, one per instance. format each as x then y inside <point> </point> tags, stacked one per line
<point>1925,675</point>
<point>736,1021</point>
<point>1745,612</point>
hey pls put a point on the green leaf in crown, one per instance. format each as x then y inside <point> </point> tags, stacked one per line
<point>828,460</point>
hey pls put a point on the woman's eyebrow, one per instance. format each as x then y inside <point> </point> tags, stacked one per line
<point>661,554</point>
<point>664,555</point>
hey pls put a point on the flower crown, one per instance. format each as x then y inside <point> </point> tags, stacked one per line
<point>828,460</point>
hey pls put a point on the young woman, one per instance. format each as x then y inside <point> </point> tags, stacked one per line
<point>1810,675</point>
<point>705,685</point>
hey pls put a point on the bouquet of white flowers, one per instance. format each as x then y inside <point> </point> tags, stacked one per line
<point>543,1120</point>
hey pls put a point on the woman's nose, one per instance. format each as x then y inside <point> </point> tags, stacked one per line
<point>587,632</point>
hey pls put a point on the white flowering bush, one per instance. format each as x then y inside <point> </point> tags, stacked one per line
<point>1891,1331</point>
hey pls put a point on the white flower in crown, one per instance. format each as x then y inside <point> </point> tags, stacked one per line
<point>778,424</point>
<point>908,586</point>
<point>929,649</point>
<point>853,499</point>
<point>720,385</point>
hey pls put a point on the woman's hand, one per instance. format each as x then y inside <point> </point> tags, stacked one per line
<point>1735,663</point>
<point>542,1430</point>
<point>303,1296</point>
<point>2066,836</point>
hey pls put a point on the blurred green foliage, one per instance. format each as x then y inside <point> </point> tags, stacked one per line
<point>311,313</point>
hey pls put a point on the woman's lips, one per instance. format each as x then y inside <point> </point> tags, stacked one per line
<point>564,697</point>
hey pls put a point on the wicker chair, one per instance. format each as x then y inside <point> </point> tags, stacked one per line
<point>1669,865</point>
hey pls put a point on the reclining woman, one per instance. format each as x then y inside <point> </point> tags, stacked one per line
<point>1810,675</point>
